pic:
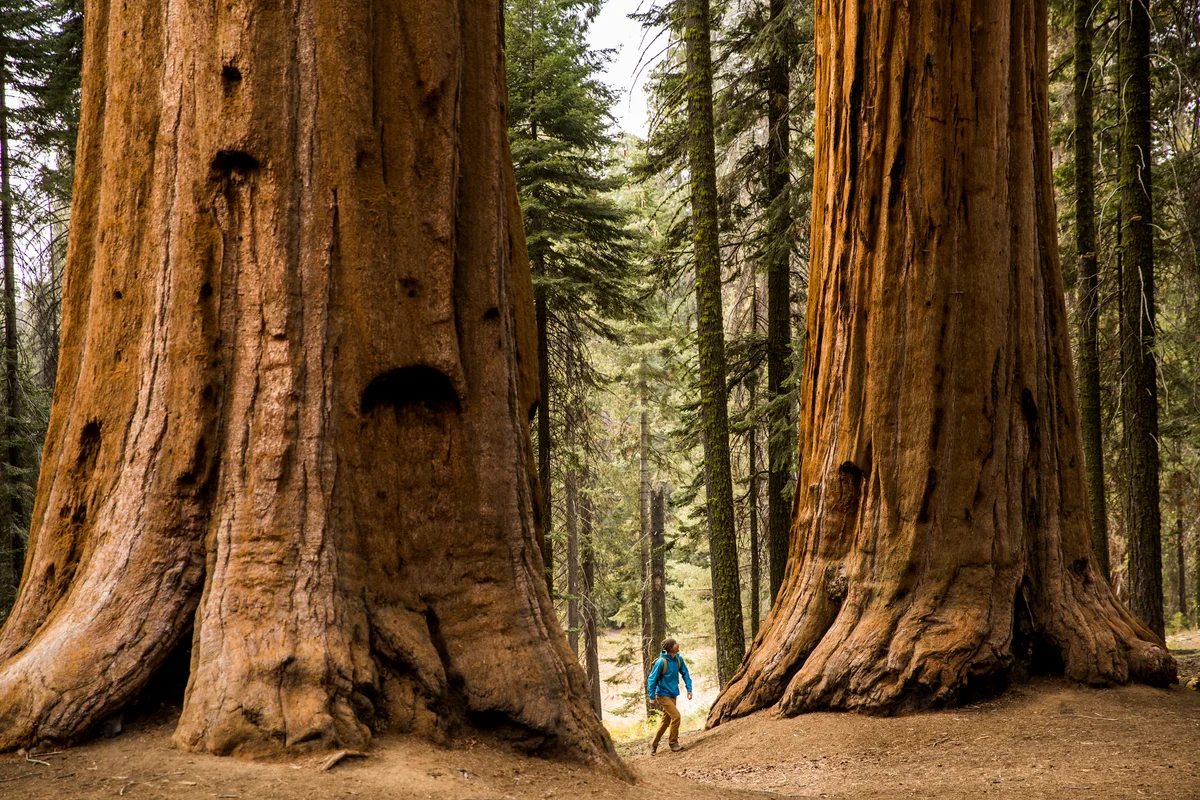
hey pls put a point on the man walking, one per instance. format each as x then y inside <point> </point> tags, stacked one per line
<point>662,687</point>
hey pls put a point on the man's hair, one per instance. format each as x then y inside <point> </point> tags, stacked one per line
<point>668,644</point>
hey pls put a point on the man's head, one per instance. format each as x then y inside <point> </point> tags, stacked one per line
<point>670,646</point>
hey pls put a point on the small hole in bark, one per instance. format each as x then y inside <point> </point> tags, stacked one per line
<point>80,515</point>
<point>930,485</point>
<point>230,73</point>
<point>492,313</point>
<point>1079,566</point>
<point>206,291</point>
<point>89,442</point>
<point>117,295</point>
<point>229,161</point>
<point>410,386</point>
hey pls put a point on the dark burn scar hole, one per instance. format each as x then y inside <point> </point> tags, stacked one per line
<point>117,295</point>
<point>230,161</point>
<point>230,73</point>
<point>206,291</point>
<point>89,442</point>
<point>492,313</point>
<point>410,286</point>
<point>410,386</point>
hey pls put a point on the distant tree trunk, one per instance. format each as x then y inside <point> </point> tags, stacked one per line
<point>591,644</point>
<point>12,546</point>
<point>571,422</point>
<point>941,537</point>
<point>752,504</point>
<point>1088,297</point>
<point>781,441</point>
<point>1139,398</point>
<point>649,651</point>
<point>1180,568</point>
<point>658,565</point>
<point>710,333</point>
<point>545,506</point>
<point>570,484</point>
<point>299,360</point>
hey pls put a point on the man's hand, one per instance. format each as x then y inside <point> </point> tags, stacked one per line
<point>689,695</point>
<point>653,701</point>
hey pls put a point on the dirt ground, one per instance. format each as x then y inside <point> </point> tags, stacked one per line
<point>1045,739</point>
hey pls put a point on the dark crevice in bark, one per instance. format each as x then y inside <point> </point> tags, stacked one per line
<point>227,162</point>
<point>410,386</point>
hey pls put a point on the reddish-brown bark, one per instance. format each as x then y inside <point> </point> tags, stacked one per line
<point>292,412</point>
<point>940,541</point>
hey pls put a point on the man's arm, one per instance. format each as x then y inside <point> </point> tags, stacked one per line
<point>687,677</point>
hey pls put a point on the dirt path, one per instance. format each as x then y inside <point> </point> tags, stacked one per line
<point>1044,739</point>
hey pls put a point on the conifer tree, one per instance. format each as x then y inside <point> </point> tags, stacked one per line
<point>579,247</point>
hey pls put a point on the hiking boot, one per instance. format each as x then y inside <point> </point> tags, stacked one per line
<point>653,748</point>
<point>676,747</point>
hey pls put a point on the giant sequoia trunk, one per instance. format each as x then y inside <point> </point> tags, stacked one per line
<point>298,363</point>
<point>941,537</point>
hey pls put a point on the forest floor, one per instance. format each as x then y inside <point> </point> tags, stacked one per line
<point>1043,739</point>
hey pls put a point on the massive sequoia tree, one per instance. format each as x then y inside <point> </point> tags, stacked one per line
<point>297,369</point>
<point>941,540</point>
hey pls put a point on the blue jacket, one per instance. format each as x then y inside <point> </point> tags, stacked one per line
<point>664,677</point>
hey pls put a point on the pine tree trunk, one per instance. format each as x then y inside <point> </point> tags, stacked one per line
<point>752,507</point>
<point>299,359</point>
<point>1087,293</point>
<point>941,536</point>
<point>658,565</point>
<point>570,490</point>
<point>781,443</point>
<point>710,333</point>
<point>649,651</point>
<point>545,505</point>
<point>1139,398</point>
<point>591,644</point>
<point>12,546</point>
<point>1181,568</point>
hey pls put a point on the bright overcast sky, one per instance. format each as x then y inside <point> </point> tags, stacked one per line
<point>613,29</point>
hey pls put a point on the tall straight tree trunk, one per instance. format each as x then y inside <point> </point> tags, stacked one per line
<point>12,549</point>
<point>710,333</point>
<point>658,564</point>
<point>752,503</point>
<point>1181,568</point>
<point>545,506</point>
<point>591,644</point>
<point>297,371</point>
<point>781,442</point>
<point>941,538</point>
<point>649,651</point>
<point>1139,390</point>
<point>571,494</point>
<point>570,491</point>
<point>1088,296</point>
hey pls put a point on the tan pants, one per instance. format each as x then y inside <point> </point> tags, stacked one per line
<point>671,717</point>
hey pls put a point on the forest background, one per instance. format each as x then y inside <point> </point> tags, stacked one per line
<point>609,219</point>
